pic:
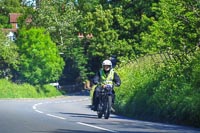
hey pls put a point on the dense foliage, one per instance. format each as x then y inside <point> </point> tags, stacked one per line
<point>177,26</point>
<point>125,29</point>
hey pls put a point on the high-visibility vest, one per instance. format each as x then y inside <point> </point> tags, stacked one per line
<point>107,79</point>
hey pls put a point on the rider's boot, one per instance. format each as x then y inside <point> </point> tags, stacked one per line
<point>112,106</point>
<point>112,110</point>
<point>93,108</point>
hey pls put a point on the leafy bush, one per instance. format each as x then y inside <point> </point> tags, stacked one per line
<point>40,62</point>
<point>135,77</point>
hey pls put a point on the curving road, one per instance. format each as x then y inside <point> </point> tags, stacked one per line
<point>71,114</point>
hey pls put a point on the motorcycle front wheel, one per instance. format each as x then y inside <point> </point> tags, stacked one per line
<point>99,110</point>
<point>108,107</point>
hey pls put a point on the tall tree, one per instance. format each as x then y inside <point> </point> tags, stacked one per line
<point>59,19</point>
<point>128,20</point>
<point>177,27</point>
<point>105,41</point>
<point>8,57</point>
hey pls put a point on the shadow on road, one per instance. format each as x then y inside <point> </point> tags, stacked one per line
<point>79,115</point>
<point>69,131</point>
<point>137,125</point>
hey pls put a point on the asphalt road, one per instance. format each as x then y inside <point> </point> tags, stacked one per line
<point>71,114</point>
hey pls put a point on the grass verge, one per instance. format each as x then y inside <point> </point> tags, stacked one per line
<point>12,90</point>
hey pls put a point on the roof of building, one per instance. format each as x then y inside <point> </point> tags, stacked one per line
<point>13,17</point>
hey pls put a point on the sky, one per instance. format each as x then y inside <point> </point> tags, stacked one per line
<point>30,2</point>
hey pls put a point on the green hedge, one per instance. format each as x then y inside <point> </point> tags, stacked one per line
<point>166,92</point>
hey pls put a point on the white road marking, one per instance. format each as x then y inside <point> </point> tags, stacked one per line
<point>97,127</point>
<point>56,116</point>
<point>57,102</point>
<point>69,101</point>
<point>39,111</point>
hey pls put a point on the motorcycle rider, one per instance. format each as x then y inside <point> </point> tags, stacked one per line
<point>106,75</point>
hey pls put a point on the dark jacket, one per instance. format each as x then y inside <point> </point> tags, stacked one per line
<point>97,78</point>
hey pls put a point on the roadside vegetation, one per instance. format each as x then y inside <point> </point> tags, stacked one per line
<point>12,90</point>
<point>160,90</point>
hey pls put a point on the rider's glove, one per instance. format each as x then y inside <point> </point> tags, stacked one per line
<point>95,82</point>
<point>108,87</point>
<point>103,86</point>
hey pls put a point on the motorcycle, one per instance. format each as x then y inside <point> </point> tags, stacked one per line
<point>105,102</point>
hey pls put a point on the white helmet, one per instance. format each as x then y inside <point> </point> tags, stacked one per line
<point>107,63</point>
